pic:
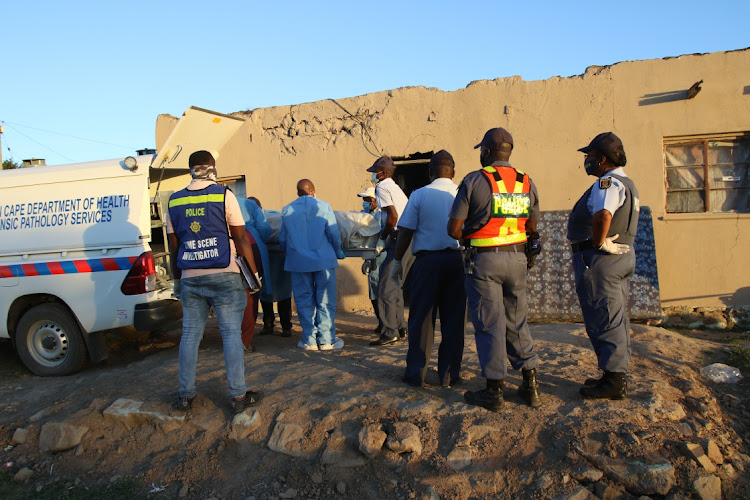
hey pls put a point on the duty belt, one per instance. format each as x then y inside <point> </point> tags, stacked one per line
<point>427,252</point>
<point>503,248</point>
<point>583,245</point>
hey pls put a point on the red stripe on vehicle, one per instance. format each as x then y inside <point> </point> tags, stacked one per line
<point>55,268</point>
<point>82,266</point>
<point>29,270</point>
<point>110,265</point>
<point>6,272</point>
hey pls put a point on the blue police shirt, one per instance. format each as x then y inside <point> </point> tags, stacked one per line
<point>427,214</point>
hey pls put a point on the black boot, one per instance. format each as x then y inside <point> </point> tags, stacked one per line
<point>593,381</point>
<point>529,389</point>
<point>613,385</point>
<point>490,398</point>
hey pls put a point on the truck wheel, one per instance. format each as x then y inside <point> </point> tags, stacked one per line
<point>49,341</point>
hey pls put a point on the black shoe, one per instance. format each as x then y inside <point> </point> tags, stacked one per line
<point>593,381</point>
<point>378,329</point>
<point>529,389</point>
<point>385,340</point>
<point>612,385</point>
<point>267,330</point>
<point>486,398</point>
<point>183,404</point>
<point>250,399</point>
<point>402,332</point>
<point>286,332</point>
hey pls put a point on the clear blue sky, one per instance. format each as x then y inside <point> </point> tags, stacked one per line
<point>103,71</point>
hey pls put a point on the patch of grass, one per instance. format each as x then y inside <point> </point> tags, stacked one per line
<point>65,490</point>
<point>739,357</point>
<point>737,339</point>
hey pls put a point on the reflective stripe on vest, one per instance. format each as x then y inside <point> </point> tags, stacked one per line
<point>509,210</point>
<point>200,224</point>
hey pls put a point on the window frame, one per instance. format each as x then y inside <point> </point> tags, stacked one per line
<point>705,139</point>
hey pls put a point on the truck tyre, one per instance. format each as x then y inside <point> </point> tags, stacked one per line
<point>49,341</point>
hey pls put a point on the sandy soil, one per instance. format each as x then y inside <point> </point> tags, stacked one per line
<point>518,453</point>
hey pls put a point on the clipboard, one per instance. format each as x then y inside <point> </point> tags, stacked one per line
<point>249,278</point>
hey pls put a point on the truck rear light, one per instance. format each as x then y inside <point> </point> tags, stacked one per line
<point>142,276</point>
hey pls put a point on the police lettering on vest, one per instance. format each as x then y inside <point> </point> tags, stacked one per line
<point>200,224</point>
<point>509,209</point>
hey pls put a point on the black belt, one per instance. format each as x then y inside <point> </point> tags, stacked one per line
<point>503,248</point>
<point>422,253</point>
<point>583,245</point>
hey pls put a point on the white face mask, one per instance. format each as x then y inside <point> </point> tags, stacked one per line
<point>375,179</point>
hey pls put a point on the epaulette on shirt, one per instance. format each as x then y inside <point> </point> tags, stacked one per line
<point>605,183</point>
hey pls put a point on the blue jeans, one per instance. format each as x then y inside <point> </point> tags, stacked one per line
<point>223,291</point>
<point>315,296</point>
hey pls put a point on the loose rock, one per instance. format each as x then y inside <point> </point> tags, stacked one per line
<point>20,436</point>
<point>23,474</point>
<point>58,436</point>
<point>371,439</point>
<point>707,488</point>
<point>404,438</point>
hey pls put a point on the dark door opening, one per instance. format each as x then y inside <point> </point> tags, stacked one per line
<point>412,172</point>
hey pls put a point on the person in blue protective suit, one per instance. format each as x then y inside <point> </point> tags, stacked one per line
<point>436,277</point>
<point>602,228</point>
<point>310,237</point>
<point>371,267</point>
<point>258,232</point>
<point>496,212</point>
<point>200,220</point>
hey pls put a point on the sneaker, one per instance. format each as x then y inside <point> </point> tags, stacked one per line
<point>402,332</point>
<point>489,400</point>
<point>385,340</point>
<point>338,344</point>
<point>183,404</point>
<point>286,332</point>
<point>307,347</point>
<point>249,399</point>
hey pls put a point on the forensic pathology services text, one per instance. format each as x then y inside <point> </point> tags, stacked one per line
<point>60,213</point>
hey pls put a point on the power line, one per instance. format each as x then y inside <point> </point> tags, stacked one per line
<point>42,145</point>
<point>71,136</point>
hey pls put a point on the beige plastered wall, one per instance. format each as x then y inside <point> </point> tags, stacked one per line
<point>702,259</point>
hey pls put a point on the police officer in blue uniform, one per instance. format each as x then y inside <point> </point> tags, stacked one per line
<point>496,212</point>
<point>602,229</point>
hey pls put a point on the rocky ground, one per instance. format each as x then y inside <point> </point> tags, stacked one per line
<point>341,424</point>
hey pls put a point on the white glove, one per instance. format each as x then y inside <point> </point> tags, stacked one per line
<point>380,246</point>
<point>397,273</point>
<point>610,246</point>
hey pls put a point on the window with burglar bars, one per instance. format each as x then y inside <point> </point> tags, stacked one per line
<point>708,174</point>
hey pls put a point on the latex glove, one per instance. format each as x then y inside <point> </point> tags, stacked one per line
<point>367,267</point>
<point>340,254</point>
<point>177,289</point>
<point>380,246</point>
<point>610,246</point>
<point>397,273</point>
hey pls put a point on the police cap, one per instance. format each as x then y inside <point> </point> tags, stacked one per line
<point>610,146</point>
<point>494,138</point>
<point>442,158</point>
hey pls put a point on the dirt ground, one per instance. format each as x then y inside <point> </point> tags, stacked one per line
<point>518,453</point>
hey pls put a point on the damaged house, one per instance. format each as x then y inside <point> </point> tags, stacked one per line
<point>684,121</point>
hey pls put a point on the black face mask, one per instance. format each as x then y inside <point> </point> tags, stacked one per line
<point>591,167</point>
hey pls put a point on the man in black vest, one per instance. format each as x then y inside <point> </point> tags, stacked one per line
<point>601,229</point>
<point>200,220</point>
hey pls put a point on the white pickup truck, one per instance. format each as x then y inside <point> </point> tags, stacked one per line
<point>75,258</point>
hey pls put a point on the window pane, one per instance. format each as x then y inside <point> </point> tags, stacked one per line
<point>678,155</point>
<point>728,176</point>
<point>685,202</point>
<point>729,152</point>
<point>730,200</point>
<point>684,177</point>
